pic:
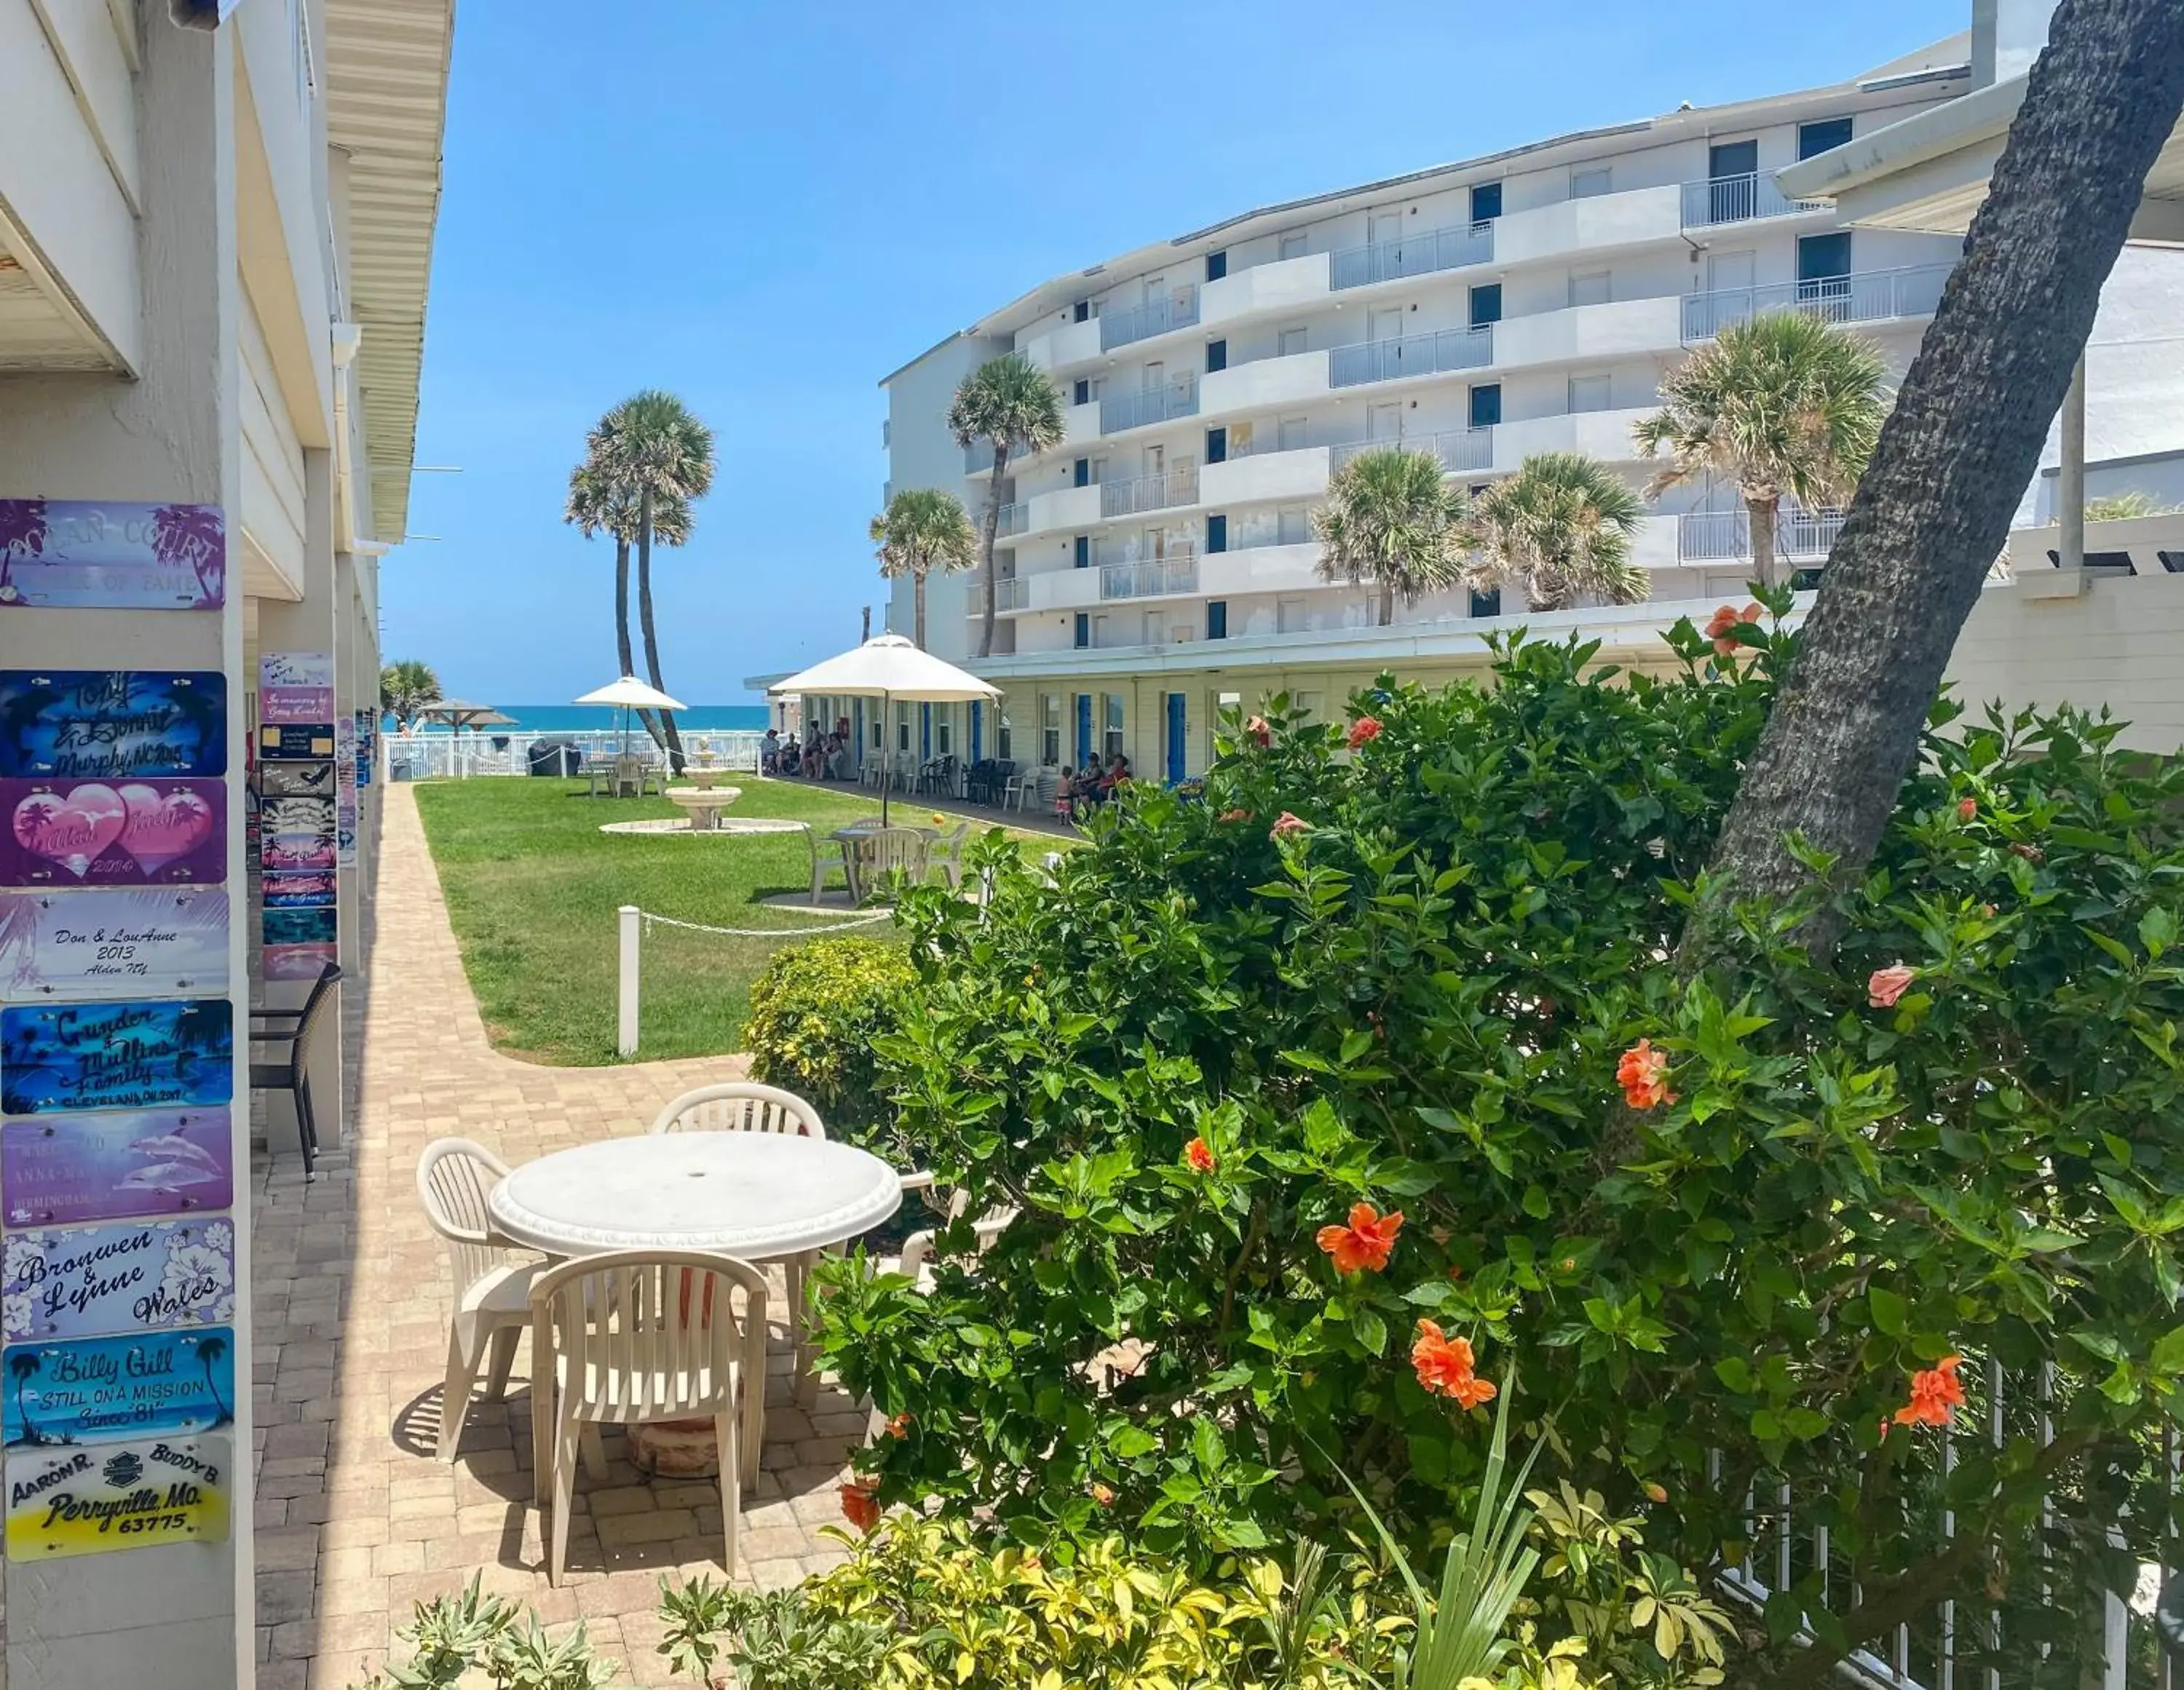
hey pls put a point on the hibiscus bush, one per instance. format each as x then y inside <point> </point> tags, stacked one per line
<point>1333,1097</point>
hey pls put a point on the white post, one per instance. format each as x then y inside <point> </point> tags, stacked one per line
<point>626,999</point>
<point>2070,473</point>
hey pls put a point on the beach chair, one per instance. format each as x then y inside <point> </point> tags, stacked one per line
<point>493,1288</point>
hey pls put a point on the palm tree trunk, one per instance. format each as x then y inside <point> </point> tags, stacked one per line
<point>917,600</point>
<point>1955,456</point>
<point>1387,605</point>
<point>621,625</point>
<point>993,533</point>
<point>667,734</point>
<point>1759,520</point>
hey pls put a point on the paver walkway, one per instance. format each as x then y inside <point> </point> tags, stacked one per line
<point>356,1522</point>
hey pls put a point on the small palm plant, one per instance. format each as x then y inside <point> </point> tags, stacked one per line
<point>1011,402</point>
<point>1561,528</point>
<point>405,687</point>
<point>922,529</point>
<point>1781,403</point>
<point>1392,519</point>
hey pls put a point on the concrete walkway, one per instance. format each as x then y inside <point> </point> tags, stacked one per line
<point>356,1522</point>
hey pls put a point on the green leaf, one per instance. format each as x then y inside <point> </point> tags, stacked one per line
<point>1890,1314</point>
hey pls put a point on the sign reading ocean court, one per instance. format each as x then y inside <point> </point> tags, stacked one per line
<point>131,1055</point>
<point>93,1499</point>
<point>139,1276</point>
<point>78,945</point>
<point>112,724</point>
<point>58,1170</point>
<point>69,554</point>
<point>83,1390</point>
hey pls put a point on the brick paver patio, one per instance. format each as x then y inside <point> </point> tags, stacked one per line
<point>356,1520</point>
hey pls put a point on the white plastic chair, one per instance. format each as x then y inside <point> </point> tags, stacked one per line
<point>636,1335</point>
<point>740,1106</point>
<point>829,856</point>
<point>945,854</point>
<point>455,1177</point>
<point>882,850</point>
<point>1019,787</point>
<point>916,1255</point>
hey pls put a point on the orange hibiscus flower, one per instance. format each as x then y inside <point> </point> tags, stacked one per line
<point>1365,1243</point>
<point>859,1505</point>
<point>1643,1074</point>
<point>1445,1366</point>
<point>1936,1394</point>
<point>1199,1155</point>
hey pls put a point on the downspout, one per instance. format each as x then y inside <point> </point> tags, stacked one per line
<point>346,337</point>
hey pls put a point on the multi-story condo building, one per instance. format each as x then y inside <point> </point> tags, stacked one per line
<point>1160,561</point>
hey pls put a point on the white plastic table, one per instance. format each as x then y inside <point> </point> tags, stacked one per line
<point>760,1197</point>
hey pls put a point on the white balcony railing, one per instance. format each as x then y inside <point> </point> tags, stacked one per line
<point>1714,535</point>
<point>1459,449</point>
<point>1177,309</point>
<point>1014,518</point>
<point>1163,404</point>
<point>1010,593</point>
<point>1139,550</point>
<point>1740,199</point>
<point>1390,360</point>
<point>1156,578</point>
<point>1420,254</point>
<point>1148,493</point>
<point>1870,297</point>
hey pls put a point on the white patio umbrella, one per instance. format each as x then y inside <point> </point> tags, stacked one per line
<point>628,694</point>
<point>886,667</point>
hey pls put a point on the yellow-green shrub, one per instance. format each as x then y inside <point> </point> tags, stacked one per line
<point>813,1015</point>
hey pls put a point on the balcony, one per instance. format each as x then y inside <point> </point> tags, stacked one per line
<point>1138,548</point>
<point>1604,435</point>
<point>1258,474</point>
<point>1391,360</point>
<point>1063,344</point>
<point>1266,384</point>
<point>1870,297</point>
<point>1177,310</point>
<point>1704,536</point>
<point>1080,427</point>
<point>1740,199</point>
<point>1437,249</point>
<point>1010,593</point>
<point>1016,517</point>
<point>1148,493</point>
<point>1461,450</point>
<point>1156,578</point>
<point>1163,404</point>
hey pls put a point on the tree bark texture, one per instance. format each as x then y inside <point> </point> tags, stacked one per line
<point>1761,525</point>
<point>1956,453</point>
<point>993,533</point>
<point>917,602</point>
<point>668,735</point>
<point>622,628</point>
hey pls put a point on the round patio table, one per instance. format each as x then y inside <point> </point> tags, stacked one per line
<point>759,1197</point>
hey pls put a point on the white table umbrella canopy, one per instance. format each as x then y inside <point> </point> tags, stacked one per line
<point>886,667</point>
<point>628,694</point>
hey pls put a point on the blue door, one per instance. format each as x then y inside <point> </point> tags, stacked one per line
<point>1175,732</point>
<point>977,722</point>
<point>1083,730</point>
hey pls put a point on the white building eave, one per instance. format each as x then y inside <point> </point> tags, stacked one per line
<point>386,89</point>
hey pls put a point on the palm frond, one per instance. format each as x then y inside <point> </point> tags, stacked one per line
<point>1392,519</point>
<point>1010,401</point>
<point>922,529</point>
<point>1561,528</point>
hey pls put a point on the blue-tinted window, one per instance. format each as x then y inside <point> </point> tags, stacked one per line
<point>1216,265</point>
<point>1486,405</point>
<point>1217,619</point>
<point>1823,257</point>
<point>1217,532</point>
<point>1080,472</point>
<point>1487,603</point>
<point>1216,356</point>
<point>1084,311</point>
<point>1081,394</point>
<point>1486,304</point>
<point>1083,547</point>
<point>1732,158</point>
<point>1824,137</point>
<point>1216,445</point>
<point>1485,201</point>
<point>1083,631</point>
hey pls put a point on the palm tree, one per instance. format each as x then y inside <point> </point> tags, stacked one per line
<point>1394,518</point>
<point>405,687</point>
<point>1781,403</point>
<point>23,1367</point>
<point>1010,401</point>
<point>922,529</point>
<point>1561,528</point>
<point>210,1350</point>
<point>596,504</point>
<point>651,445</point>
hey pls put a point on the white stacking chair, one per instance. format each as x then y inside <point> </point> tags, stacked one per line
<point>945,854</point>
<point>492,1287</point>
<point>746,1106</point>
<point>881,850</point>
<point>638,1336</point>
<point>829,857</point>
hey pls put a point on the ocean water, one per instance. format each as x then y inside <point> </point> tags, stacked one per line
<point>577,718</point>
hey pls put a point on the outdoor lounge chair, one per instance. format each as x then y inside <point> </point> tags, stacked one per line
<point>635,1336</point>
<point>493,1288</point>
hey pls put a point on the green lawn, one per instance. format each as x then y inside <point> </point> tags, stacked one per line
<point>532,886</point>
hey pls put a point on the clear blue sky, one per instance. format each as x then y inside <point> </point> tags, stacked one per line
<point>766,207</point>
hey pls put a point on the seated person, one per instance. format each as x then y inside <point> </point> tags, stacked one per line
<point>769,753</point>
<point>1118,774</point>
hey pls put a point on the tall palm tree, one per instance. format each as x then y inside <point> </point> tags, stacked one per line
<point>921,529</point>
<point>210,1351</point>
<point>1392,519</point>
<point>23,1367</point>
<point>405,687</point>
<point>1560,528</point>
<point>1781,403</point>
<point>1011,402</point>
<point>651,447</point>
<point>597,504</point>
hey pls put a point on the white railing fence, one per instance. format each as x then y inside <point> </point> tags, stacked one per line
<point>634,925</point>
<point>458,756</point>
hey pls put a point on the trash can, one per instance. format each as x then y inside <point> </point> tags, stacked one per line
<point>556,757</point>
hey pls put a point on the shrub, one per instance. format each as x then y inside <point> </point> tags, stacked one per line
<point>813,1015</point>
<point>1729,1229</point>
